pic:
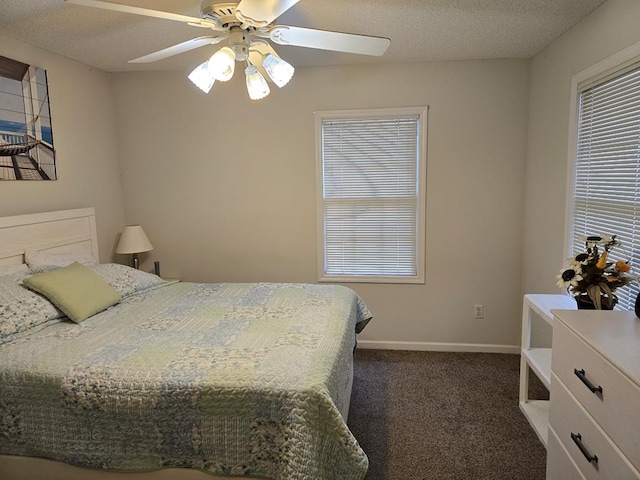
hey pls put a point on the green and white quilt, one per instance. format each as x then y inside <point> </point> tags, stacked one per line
<point>232,379</point>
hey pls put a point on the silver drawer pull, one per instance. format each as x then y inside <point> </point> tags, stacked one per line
<point>577,438</point>
<point>583,378</point>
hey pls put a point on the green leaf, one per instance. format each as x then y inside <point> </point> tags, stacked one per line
<point>594,294</point>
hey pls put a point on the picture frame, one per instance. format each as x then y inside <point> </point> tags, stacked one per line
<point>26,137</point>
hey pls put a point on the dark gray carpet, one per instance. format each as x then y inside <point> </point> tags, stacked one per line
<point>441,415</point>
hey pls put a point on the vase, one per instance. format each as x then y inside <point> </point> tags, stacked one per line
<point>585,303</point>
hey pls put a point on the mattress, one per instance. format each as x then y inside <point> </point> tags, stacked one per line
<point>230,379</point>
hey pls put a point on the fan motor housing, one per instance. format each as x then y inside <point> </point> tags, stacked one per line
<point>225,13</point>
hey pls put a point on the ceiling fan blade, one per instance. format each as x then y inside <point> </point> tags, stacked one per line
<point>260,13</point>
<point>326,40</point>
<point>116,7</point>
<point>179,48</point>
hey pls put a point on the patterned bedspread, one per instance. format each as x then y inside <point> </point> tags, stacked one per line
<point>233,379</point>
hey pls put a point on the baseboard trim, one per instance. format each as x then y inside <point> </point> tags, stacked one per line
<point>438,347</point>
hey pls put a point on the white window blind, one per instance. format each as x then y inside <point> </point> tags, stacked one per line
<point>607,172</point>
<point>371,198</point>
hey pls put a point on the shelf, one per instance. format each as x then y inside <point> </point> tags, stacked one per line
<point>539,359</point>
<point>537,307</point>
<point>542,304</point>
<point>537,413</point>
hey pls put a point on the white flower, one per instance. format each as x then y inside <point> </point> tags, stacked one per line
<point>579,260</point>
<point>569,277</point>
<point>608,242</point>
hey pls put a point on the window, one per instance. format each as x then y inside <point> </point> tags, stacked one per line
<point>606,194</point>
<point>371,195</point>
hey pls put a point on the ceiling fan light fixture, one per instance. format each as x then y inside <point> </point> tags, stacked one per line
<point>202,78</point>
<point>279,70</point>
<point>246,25</point>
<point>256,84</point>
<point>222,64</point>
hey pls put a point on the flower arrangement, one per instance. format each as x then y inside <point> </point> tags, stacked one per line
<point>590,274</point>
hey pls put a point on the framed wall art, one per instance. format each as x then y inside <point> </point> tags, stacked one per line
<point>26,137</point>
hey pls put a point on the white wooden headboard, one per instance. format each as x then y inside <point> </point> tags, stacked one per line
<point>68,231</point>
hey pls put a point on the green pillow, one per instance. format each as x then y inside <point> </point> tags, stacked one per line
<point>75,289</point>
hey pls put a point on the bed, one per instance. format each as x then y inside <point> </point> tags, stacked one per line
<point>176,379</point>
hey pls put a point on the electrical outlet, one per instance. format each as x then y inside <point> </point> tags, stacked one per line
<point>478,311</point>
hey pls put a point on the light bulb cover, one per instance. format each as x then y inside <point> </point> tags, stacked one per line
<point>256,84</point>
<point>222,64</point>
<point>202,77</point>
<point>279,70</point>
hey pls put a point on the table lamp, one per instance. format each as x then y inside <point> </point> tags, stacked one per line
<point>133,241</point>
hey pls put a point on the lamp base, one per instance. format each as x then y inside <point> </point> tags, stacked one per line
<point>135,261</point>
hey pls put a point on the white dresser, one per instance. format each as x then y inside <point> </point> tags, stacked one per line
<point>594,415</point>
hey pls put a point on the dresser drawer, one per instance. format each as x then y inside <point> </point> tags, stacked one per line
<point>617,408</point>
<point>568,419</point>
<point>559,463</point>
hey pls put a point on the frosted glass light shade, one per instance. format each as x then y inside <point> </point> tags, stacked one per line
<point>222,64</point>
<point>133,240</point>
<point>279,70</point>
<point>256,84</point>
<point>202,78</point>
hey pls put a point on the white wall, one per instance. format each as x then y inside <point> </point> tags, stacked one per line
<point>225,187</point>
<point>611,28</point>
<point>83,122</point>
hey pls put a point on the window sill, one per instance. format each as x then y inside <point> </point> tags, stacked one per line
<point>370,279</point>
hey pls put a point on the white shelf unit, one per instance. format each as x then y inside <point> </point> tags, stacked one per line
<point>538,306</point>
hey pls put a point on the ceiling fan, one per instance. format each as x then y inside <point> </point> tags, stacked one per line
<point>247,27</point>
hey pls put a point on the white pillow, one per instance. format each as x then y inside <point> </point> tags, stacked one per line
<point>10,269</point>
<point>40,259</point>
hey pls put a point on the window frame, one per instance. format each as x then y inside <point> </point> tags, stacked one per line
<point>611,67</point>
<point>368,114</point>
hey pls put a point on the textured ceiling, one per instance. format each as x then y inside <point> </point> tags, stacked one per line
<point>420,30</point>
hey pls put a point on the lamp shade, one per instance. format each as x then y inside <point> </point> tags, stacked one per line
<point>279,70</point>
<point>222,64</point>
<point>133,240</point>
<point>202,77</point>
<point>256,84</point>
